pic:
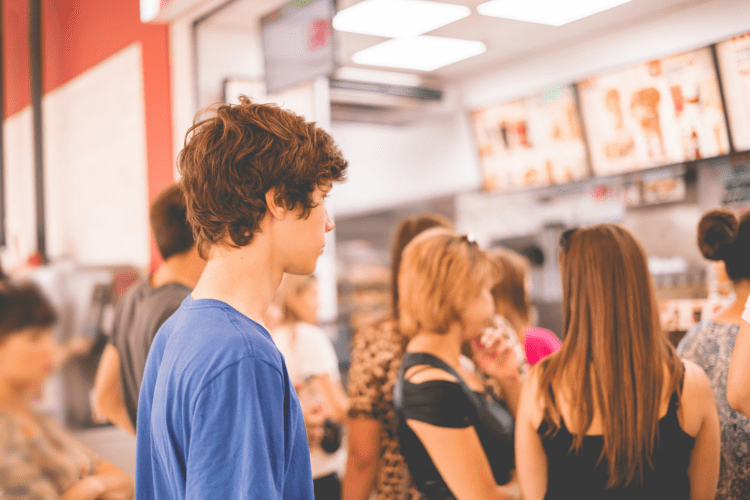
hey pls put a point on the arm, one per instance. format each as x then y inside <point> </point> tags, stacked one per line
<point>109,483</point>
<point>334,396</point>
<point>108,398</point>
<point>362,459</point>
<point>453,445</point>
<point>462,463</point>
<point>531,460</point>
<point>700,419</point>
<point>738,381</point>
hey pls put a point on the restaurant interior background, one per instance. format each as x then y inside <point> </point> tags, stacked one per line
<point>638,115</point>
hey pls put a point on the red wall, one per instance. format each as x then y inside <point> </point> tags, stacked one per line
<point>78,35</point>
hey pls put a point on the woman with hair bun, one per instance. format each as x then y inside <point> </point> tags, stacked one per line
<point>724,238</point>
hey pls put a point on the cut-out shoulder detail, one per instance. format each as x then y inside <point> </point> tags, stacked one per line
<point>425,373</point>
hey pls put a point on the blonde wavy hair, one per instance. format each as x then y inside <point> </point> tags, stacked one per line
<point>440,274</point>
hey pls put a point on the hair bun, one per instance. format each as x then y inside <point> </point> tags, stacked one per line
<point>716,231</point>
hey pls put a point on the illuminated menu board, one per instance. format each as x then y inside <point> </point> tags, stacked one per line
<point>734,64</point>
<point>531,142</point>
<point>661,112</point>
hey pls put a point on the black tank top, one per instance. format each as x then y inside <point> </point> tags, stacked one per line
<point>453,405</point>
<point>577,475</point>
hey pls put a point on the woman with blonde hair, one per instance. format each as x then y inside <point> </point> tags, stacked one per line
<point>615,413</point>
<point>457,438</point>
<point>314,371</point>
<point>375,463</point>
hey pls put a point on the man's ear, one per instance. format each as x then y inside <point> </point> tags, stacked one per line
<point>276,209</point>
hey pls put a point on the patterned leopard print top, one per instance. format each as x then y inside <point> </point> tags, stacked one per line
<point>376,358</point>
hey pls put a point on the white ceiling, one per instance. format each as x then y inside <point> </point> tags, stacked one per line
<point>507,41</point>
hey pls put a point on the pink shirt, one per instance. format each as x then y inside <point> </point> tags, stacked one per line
<point>540,343</point>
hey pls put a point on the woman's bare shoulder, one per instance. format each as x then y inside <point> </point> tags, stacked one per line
<point>697,398</point>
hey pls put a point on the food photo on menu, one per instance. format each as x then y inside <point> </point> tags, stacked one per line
<point>531,142</point>
<point>734,63</point>
<point>657,113</point>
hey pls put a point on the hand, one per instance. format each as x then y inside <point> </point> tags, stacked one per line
<point>88,488</point>
<point>495,356</point>
<point>314,419</point>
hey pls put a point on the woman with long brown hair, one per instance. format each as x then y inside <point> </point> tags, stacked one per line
<point>615,413</point>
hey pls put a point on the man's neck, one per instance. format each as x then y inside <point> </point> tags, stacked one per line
<point>245,278</point>
<point>177,269</point>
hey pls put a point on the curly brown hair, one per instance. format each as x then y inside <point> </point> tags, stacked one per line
<point>233,158</point>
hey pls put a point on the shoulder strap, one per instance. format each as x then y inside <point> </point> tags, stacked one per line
<point>422,358</point>
<point>674,400</point>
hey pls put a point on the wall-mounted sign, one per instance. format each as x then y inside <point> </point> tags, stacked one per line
<point>298,43</point>
<point>657,113</point>
<point>734,64</point>
<point>531,142</point>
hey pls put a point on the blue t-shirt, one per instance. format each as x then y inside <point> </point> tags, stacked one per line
<point>217,414</point>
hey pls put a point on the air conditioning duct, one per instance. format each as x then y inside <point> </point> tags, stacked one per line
<point>388,98</point>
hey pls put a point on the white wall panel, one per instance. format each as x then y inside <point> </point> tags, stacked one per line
<point>96,185</point>
<point>389,165</point>
<point>95,161</point>
<point>20,212</point>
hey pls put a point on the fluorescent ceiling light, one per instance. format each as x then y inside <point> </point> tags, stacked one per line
<point>552,12</point>
<point>398,18</point>
<point>423,53</point>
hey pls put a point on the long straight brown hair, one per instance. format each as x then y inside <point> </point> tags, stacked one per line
<point>612,330</point>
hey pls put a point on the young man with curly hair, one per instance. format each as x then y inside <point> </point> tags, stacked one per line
<point>217,415</point>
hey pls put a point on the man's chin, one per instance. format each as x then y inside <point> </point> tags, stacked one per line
<point>303,270</point>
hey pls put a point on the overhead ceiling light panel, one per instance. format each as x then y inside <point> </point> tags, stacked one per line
<point>422,53</point>
<point>398,18</point>
<point>552,12</point>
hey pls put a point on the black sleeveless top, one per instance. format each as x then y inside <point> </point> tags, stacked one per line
<point>577,475</point>
<point>449,404</point>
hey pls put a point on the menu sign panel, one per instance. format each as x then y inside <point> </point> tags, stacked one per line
<point>734,64</point>
<point>531,142</point>
<point>661,112</point>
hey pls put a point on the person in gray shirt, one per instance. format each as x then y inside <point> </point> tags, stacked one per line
<point>142,310</point>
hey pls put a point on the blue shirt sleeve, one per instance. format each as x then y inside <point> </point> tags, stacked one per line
<point>244,437</point>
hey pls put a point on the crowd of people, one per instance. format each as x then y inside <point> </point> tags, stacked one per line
<point>216,364</point>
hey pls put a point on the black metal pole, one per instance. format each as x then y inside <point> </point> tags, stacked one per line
<point>2,130</point>
<point>35,66</point>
